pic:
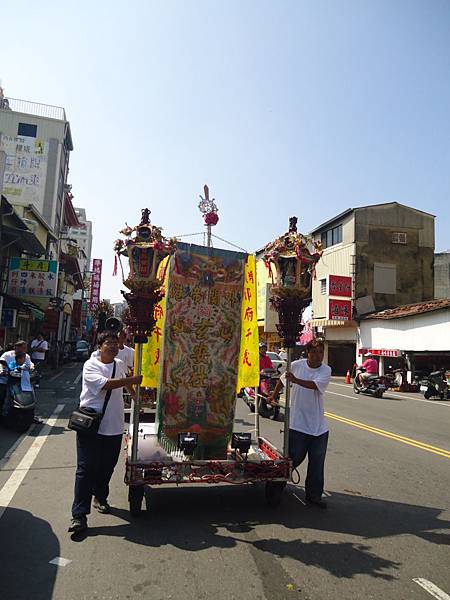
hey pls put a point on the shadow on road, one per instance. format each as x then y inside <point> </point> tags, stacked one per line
<point>196,519</point>
<point>24,557</point>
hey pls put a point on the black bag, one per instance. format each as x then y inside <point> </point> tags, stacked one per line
<point>86,420</point>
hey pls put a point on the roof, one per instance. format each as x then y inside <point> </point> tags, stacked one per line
<point>18,232</point>
<point>70,216</point>
<point>30,208</point>
<point>350,210</point>
<point>409,310</point>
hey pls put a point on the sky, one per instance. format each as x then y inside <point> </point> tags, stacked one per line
<point>283,108</point>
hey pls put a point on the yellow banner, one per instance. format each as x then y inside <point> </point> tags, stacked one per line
<point>152,350</point>
<point>248,373</point>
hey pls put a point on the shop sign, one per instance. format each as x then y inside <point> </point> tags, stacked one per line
<point>339,285</point>
<point>377,352</point>
<point>340,310</point>
<point>95,283</point>
<point>32,277</point>
<point>9,316</point>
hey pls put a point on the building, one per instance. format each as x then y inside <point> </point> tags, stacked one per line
<point>442,274</point>
<point>415,337</point>
<point>374,257</point>
<point>82,235</point>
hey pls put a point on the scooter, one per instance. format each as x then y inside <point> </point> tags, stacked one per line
<point>374,385</point>
<point>21,404</point>
<point>435,385</point>
<point>268,381</point>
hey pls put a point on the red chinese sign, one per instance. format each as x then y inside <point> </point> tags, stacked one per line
<point>338,285</point>
<point>340,310</point>
<point>389,353</point>
<point>95,282</point>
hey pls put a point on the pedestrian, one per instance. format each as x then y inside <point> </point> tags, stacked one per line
<point>97,455</point>
<point>20,347</point>
<point>126,354</point>
<point>308,428</point>
<point>39,349</point>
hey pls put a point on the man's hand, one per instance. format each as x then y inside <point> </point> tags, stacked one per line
<point>291,377</point>
<point>134,380</point>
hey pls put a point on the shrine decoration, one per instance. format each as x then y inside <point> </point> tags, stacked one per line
<point>145,247</point>
<point>291,261</point>
<point>209,210</point>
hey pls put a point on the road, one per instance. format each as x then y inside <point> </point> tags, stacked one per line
<point>387,524</point>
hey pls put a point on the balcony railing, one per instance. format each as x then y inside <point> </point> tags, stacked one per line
<point>33,108</point>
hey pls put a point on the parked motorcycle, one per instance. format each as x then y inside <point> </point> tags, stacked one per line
<point>435,385</point>
<point>374,385</point>
<point>20,404</point>
<point>268,381</point>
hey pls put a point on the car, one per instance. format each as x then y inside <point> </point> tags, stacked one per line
<point>82,351</point>
<point>278,363</point>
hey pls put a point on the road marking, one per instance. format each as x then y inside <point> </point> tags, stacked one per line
<point>397,395</point>
<point>431,588</point>
<point>392,436</point>
<point>299,499</point>
<point>59,561</point>
<point>77,378</point>
<point>12,485</point>
<point>55,376</point>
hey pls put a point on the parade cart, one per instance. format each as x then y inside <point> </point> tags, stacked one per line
<point>193,313</point>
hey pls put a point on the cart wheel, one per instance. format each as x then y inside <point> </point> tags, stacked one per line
<point>274,492</point>
<point>135,497</point>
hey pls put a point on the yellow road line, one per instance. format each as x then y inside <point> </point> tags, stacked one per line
<point>390,435</point>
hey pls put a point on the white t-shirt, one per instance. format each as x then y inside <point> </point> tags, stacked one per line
<point>307,412</point>
<point>95,375</point>
<point>37,354</point>
<point>125,354</point>
<point>11,355</point>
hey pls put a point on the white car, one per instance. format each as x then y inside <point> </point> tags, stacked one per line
<point>278,363</point>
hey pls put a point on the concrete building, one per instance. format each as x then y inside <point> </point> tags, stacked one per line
<point>375,257</point>
<point>442,274</point>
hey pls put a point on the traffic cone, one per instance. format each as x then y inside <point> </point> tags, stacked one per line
<point>347,377</point>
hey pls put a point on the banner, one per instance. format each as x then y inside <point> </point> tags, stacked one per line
<point>96,281</point>
<point>340,310</point>
<point>201,346</point>
<point>248,373</point>
<point>29,277</point>
<point>152,351</point>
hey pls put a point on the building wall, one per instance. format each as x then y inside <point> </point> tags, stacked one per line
<point>442,275</point>
<point>413,261</point>
<point>426,332</point>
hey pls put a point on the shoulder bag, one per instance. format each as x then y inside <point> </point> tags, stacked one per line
<point>86,420</point>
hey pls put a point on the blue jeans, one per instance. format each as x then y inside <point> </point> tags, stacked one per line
<point>96,458</point>
<point>315,446</point>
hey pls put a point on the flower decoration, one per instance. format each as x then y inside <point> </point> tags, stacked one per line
<point>208,208</point>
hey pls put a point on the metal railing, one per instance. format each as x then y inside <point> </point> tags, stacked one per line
<point>33,108</point>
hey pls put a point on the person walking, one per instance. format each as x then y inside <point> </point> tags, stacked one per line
<point>97,455</point>
<point>308,428</point>
<point>38,349</point>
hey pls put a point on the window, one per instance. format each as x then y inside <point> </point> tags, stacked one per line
<point>384,278</point>
<point>323,286</point>
<point>399,238</point>
<point>27,129</point>
<point>331,237</point>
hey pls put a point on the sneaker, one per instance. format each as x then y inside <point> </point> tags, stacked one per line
<point>316,502</point>
<point>78,524</point>
<point>102,506</point>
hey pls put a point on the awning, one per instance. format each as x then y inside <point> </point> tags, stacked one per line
<point>24,238</point>
<point>36,312</point>
<point>332,323</point>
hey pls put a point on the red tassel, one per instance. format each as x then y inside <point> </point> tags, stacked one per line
<point>115,266</point>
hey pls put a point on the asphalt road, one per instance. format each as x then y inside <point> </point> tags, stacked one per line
<point>387,524</point>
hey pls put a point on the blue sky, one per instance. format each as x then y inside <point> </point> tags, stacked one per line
<point>283,108</point>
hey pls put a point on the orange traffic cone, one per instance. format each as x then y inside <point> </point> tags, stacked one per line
<point>347,377</point>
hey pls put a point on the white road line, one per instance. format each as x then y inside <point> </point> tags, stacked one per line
<point>447,404</point>
<point>299,499</point>
<point>12,485</point>
<point>8,454</point>
<point>55,376</point>
<point>77,378</point>
<point>431,588</point>
<point>59,561</point>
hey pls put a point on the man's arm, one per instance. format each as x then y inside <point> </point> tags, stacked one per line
<point>310,385</point>
<point>114,384</point>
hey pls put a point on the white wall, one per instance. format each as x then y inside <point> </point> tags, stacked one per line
<point>429,331</point>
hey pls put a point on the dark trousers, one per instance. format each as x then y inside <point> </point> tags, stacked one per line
<point>96,458</point>
<point>302,444</point>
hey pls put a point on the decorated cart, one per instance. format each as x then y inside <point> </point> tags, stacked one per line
<point>192,310</point>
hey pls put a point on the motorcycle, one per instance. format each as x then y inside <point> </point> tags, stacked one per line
<point>374,385</point>
<point>20,404</point>
<point>435,385</point>
<point>268,381</point>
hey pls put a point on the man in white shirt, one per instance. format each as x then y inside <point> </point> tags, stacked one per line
<point>38,349</point>
<point>126,354</point>
<point>308,428</point>
<point>97,455</point>
<point>19,347</point>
